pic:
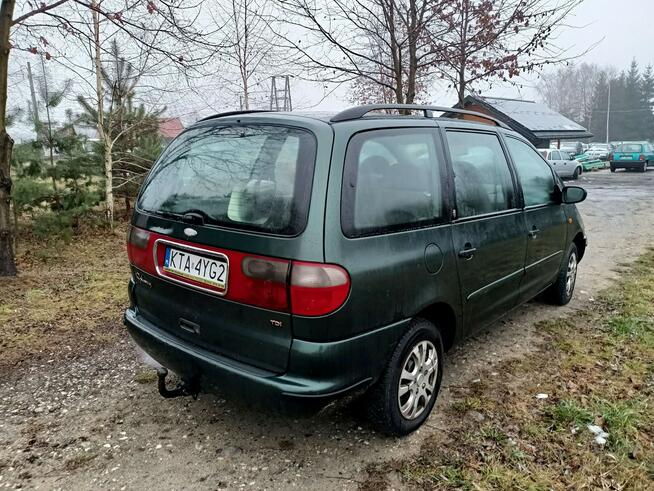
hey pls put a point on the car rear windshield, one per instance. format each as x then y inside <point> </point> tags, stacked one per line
<point>255,177</point>
<point>630,148</point>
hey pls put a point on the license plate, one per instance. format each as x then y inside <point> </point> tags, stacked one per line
<point>626,157</point>
<point>202,269</point>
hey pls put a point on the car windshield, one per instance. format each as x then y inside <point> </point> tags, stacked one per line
<point>630,148</point>
<point>254,177</point>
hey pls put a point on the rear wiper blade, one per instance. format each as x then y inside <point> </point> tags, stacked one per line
<point>196,215</point>
<point>168,214</point>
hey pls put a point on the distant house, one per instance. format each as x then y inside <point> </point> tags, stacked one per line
<point>169,128</point>
<point>90,134</point>
<point>535,121</point>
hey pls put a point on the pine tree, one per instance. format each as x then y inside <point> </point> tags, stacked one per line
<point>647,102</point>
<point>600,104</point>
<point>633,108</point>
<point>131,132</point>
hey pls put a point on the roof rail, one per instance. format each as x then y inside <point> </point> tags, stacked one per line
<point>360,111</point>
<point>233,113</point>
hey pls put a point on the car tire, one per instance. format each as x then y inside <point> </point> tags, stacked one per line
<point>643,168</point>
<point>384,406</point>
<point>576,173</point>
<point>612,169</point>
<point>560,293</point>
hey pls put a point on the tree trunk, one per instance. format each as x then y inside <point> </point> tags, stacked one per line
<point>246,94</point>
<point>7,260</point>
<point>103,132</point>
<point>108,185</point>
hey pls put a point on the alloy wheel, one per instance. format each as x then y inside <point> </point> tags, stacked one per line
<point>571,274</point>
<point>418,380</point>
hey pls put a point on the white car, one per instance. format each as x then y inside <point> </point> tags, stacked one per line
<point>599,151</point>
<point>562,163</point>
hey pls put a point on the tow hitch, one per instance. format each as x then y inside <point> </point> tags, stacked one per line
<point>183,389</point>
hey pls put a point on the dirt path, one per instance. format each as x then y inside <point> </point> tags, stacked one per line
<point>89,425</point>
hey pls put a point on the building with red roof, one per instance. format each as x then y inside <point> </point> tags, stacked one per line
<point>169,128</point>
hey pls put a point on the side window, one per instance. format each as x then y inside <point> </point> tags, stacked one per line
<point>391,181</point>
<point>555,155</point>
<point>481,174</point>
<point>534,174</point>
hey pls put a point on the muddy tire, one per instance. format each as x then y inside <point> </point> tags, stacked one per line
<point>576,173</point>
<point>612,169</point>
<point>560,293</point>
<point>404,396</point>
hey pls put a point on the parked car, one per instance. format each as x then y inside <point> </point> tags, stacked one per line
<point>563,163</point>
<point>573,148</point>
<point>299,259</point>
<point>636,155</point>
<point>599,151</point>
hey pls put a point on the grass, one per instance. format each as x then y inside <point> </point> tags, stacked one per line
<point>146,377</point>
<point>597,367</point>
<point>66,299</point>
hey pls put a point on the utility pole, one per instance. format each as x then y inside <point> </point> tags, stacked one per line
<point>608,113</point>
<point>49,134</point>
<point>280,99</point>
<point>35,106</point>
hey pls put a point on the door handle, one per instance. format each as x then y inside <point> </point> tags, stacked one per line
<point>467,252</point>
<point>534,232</point>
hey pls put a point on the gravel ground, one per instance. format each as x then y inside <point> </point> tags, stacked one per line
<point>98,422</point>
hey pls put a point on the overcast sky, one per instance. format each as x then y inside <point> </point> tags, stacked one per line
<point>622,30</point>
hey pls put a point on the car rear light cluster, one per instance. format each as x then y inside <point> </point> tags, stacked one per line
<point>139,249</point>
<point>641,158</point>
<point>301,288</point>
<point>318,289</point>
<point>311,289</point>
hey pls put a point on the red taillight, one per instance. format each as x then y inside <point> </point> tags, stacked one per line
<point>641,158</point>
<point>318,289</point>
<point>300,288</point>
<point>138,249</point>
<point>262,283</point>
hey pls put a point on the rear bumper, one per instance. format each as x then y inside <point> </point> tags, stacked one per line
<point>317,372</point>
<point>626,164</point>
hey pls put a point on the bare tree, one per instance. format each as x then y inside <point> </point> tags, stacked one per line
<point>146,24</point>
<point>499,40</point>
<point>249,52</point>
<point>384,46</point>
<point>569,90</point>
<point>119,123</point>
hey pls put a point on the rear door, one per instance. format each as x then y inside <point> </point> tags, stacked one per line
<point>243,193</point>
<point>488,232</point>
<point>387,223</point>
<point>556,162</point>
<point>545,219</point>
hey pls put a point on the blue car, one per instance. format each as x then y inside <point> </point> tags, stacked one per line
<point>632,156</point>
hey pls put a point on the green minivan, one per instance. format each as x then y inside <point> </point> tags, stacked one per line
<point>295,259</point>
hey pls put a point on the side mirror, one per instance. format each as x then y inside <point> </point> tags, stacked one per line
<point>573,194</point>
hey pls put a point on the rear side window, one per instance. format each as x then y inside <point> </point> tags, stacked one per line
<point>482,179</point>
<point>630,148</point>
<point>391,181</point>
<point>534,174</point>
<point>555,156</point>
<point>255,177</point>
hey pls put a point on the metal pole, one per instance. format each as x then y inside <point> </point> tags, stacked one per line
<point>608,114</point>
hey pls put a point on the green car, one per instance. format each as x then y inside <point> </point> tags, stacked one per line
<point>293,260</point>
<point>632,156</point>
